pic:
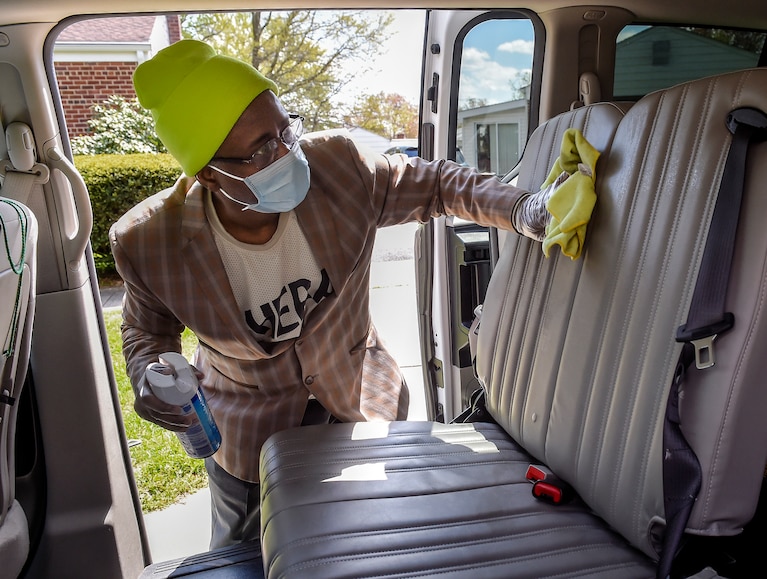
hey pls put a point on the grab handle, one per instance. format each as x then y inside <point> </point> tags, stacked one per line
<point>74,246</point>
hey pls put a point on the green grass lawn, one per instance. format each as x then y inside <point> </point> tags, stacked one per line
<point>164,473</point>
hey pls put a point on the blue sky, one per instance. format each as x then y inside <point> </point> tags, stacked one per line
<point>494,54</point>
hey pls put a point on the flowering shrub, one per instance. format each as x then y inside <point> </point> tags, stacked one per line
<point>119,125</point>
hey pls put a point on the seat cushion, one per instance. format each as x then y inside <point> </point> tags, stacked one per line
<point>422,499</point>
<point>14,541</point>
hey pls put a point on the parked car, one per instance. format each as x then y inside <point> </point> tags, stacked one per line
<point>593,416</point>
<point>409,150</point>
<point>412,151</point>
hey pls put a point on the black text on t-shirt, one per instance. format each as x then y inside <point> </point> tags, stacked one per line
<point>281,317</point>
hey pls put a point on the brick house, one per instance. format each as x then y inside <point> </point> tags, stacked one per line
<point>95,59</point>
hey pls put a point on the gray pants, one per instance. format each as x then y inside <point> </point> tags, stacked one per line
<point>235,508</point>
<point>235,504</point>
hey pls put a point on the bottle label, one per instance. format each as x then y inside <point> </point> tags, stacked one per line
<point>203,438</point>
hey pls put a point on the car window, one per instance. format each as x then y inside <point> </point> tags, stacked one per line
<point>649,58</point>
<point>494,93</point>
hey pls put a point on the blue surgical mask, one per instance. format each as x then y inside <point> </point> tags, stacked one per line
<point>279,187</point>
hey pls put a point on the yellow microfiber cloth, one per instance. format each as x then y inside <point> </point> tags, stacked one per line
<point>572,203</point>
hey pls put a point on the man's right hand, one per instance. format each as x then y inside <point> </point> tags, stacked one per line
<point>530,216</point>
<point>151,408</point>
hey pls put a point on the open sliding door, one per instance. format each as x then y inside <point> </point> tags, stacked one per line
<point>479,84</point>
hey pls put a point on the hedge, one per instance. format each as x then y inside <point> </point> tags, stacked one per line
<point>116,183</point>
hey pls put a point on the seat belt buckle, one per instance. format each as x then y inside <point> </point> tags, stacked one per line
<point>702,339</point>
<point>704,352</point>
<point>548,487</point>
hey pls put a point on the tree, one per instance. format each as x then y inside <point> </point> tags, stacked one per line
<point>520,83</point>
<point>751,41</point>
<point>389,115</point>
<point>473,103</point>
<point>304,52</point>
<point>119,126</point>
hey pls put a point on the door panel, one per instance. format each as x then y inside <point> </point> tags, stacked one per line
<point>74,478</point>
<point>469,270</point>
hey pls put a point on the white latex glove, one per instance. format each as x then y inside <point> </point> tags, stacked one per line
<point>530,216</point>
<point>151,408</point>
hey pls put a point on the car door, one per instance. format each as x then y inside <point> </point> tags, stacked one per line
<point>479,103</point>
<point>73,474</point>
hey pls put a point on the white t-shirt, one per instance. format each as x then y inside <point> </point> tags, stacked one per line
<point>275,284</point>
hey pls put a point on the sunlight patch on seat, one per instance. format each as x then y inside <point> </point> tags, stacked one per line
<point>361,472</point>
<point>370,430</point>
<point>464,435</point>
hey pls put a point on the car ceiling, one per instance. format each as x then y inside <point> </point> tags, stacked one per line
<point>735,13</point>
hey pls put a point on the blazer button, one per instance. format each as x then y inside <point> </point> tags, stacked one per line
<point>309,380</point>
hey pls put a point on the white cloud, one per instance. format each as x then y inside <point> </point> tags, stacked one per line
<point>484,78</point>
<point>518,46</point>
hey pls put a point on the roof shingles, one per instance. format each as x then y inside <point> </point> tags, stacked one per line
<point>123,29</point>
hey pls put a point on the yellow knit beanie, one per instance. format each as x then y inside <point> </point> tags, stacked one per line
<point>195,97</point>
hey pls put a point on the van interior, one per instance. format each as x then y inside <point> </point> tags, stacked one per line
<point>596,416</point>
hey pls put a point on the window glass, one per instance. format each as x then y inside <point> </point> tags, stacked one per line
<point>494,93</point>
<point>649,58</point>
<point>482,144</point>
<point>508,146</point>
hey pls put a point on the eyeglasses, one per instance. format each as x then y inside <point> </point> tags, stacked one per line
<point>266,154</point>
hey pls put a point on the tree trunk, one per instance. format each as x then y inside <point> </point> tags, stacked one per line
<point>256,58</point>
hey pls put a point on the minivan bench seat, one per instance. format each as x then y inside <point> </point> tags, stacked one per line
<point>421,498</point>
<point>576,358</point>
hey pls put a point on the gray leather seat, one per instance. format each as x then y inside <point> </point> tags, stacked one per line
<point>19,175</point>
<point>18,241</point>
<point>576,358</point>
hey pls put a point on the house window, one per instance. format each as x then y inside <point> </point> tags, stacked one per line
<point>508,147</point>
<point>483,148</point>
<point>661,52</point>
<point>497,146</point>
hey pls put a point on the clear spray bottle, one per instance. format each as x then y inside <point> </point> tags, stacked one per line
<point>173,381</point>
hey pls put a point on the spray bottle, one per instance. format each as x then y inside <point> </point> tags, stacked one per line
<point>173,381</point>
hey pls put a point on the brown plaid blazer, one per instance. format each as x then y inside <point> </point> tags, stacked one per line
<point>174,277</point>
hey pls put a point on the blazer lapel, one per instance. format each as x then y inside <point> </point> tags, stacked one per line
<point>336,241</point>
<point>318,225</point>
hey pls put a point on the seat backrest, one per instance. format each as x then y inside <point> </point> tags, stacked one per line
<point>597,122</point>
<point>577,356</point>
<point>18,265</point>
<point>17,269</point>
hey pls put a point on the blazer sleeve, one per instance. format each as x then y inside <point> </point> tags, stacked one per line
<point>410,188</point>
<point>148,328</point>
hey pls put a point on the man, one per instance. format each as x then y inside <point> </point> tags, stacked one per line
<point>262,248</point>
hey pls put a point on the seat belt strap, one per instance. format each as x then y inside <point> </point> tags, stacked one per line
<point>682,474</point>
<point>18,185</point>
<point>706,320</point>
<point>474,335</point>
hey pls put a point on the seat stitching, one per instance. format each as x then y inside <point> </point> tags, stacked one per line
<point>386,554</point>
<point>600,342</point>
<point>269,486</point>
